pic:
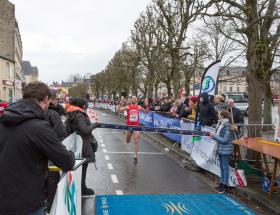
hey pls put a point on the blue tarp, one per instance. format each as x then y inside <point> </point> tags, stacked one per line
<point>214,204</point>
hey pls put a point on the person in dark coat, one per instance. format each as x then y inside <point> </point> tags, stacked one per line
<point>54,117</point>
<point>79,122</point>
<point>207,111</point>
<point>27,142</point>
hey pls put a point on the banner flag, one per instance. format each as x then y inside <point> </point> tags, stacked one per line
<point>208,85</point>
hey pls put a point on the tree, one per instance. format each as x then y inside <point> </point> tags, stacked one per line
<point>175,17</point>
<point>258,28</point>
<point>79,91</point>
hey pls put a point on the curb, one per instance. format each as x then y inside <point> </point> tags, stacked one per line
<point>238,192</point>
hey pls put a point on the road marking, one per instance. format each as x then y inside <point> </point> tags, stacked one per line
<point>119,192</point>
<point>144,153</point>
<point>105,150</point>
<point>110,166</point>
<point>101,141</point>
<point>114,179</point>
<point>103,145</point>
<point>107,158</point>
<point>100,137</point>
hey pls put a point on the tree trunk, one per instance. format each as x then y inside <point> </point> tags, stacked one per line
<point>176,73</point>
<point>187,83</point>
<point>267,118</point>
<point>150,87</point>
<point>169,91</point>
<point>156,90</point>
<point>255,104</point>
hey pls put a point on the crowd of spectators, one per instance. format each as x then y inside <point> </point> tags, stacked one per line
<point>186,107</point>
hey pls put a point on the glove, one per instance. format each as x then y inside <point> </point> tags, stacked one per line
<point>94,125</point>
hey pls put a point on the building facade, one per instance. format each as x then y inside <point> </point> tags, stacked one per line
<point>10,54</point>
<point>30,72</point>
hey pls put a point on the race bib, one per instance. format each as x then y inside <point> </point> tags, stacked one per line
<point>133,116</point>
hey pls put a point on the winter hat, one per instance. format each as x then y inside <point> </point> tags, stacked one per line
<point>193,99</point>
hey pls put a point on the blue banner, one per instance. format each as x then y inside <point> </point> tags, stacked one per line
<point>169,204</point>
<point>165,122</point>
<point>156,120</point>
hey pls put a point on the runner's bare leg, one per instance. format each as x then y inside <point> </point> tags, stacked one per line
<point>136,142</point>
<point>128,136</point>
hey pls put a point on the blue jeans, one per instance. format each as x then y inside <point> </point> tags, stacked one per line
<point>224,167</point>
<point>38,212</point>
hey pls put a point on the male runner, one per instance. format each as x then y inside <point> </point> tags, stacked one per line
<point>132,119</point>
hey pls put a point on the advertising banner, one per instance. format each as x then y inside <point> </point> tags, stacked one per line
<point>67,199</point>
<point>68,194</point>
<point>165,122</point>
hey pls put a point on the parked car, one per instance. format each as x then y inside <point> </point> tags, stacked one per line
<point>3,105</point>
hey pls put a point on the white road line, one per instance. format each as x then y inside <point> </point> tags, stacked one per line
<point>101,141</point>
<point>103,145</point>
<point>107,158</point>
<point>105,150</point>
<point>119,192</point>
<point>110,166</point>
<point>114,179</point>
<point>100,137</point>
<point>144,153</point>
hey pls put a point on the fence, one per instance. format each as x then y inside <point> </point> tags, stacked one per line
<point>68,194</point>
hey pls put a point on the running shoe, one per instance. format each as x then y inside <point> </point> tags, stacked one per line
<point>219,189</point>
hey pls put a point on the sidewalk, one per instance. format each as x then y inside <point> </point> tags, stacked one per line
<point>252,194</point>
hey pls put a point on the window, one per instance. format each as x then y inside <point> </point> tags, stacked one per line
<point>230,89</point>
<point>8,70</point>
<point>237,89</point>
<point>225,89</point>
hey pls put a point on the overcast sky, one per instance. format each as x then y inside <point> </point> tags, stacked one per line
<point>64,37</point>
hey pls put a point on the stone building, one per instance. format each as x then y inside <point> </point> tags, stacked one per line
<point>10,54</point>
<point>30,72</point>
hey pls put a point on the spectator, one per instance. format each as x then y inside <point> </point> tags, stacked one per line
<point>207,112</point>
<point>236,114</point>
<point>224,137</point>
<point>219,102</point>
<point>181,112</point>
<point>165,105</point>
<point>193,107</point>
<point>78,121</point>
<point>53,115</point>
<point>27,142</point>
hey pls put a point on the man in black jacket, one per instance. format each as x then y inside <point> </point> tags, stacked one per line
<point>207,111</point>
<point>27,142</point>
<point>54,117</point>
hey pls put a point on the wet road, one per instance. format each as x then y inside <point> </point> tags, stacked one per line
<point>155,172</point>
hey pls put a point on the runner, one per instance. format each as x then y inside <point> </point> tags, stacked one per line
<point>132,119</point>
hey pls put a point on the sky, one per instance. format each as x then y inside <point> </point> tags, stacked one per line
<point>66,37</point>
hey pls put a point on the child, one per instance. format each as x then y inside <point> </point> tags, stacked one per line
<point>224,137</point>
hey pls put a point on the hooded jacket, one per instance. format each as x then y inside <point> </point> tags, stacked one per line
<point>27,142</point>
<point>80,123</point>
<point>207,111</point>
<point>53,115</point>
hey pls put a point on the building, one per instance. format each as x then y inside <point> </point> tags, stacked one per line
<point>232,79</point>
<point>10,54</point>
<point>30,72</point>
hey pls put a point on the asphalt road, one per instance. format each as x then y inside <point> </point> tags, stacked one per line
<point>155,172</point>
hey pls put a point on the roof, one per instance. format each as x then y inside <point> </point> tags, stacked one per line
<point>67,84</point>
<point>28,69</point>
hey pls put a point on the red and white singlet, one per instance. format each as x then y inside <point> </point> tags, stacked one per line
<point>133,115</point>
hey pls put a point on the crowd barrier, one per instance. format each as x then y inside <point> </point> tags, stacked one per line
<point>67,199</point>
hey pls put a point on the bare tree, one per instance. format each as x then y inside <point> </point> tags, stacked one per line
<point>175,17</point>
<point>258,28</point>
